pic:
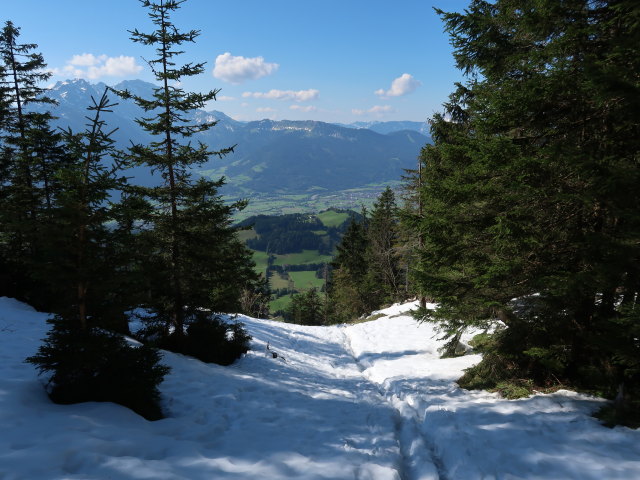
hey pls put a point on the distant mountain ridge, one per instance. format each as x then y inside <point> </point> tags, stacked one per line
<point>271,157</point>
<point>390,126</point>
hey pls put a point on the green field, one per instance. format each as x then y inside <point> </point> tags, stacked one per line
<point>298,281</point>
<point>261,262</point>
<point>278,204</point>
<point>331,218</point>
<point>280,303</point>
<point>303,258</point>
<point>278,281</point>
<point>245,235</point>
<point>306,280</point>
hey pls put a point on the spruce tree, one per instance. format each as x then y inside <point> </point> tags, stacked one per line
<point>384,275</point>
<point>349,296</point>
<point>79,235</point>
<point>86,361</point>
<point>194,259</point>
<point>30,155</point>
<point>530,193</point>
<point>306,308</point>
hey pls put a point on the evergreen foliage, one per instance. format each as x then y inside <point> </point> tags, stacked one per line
<point>79,244</point>
<point>530,191</point>
<point>306,308</point>
<point>30,154</point>
<point>348,292</point>
<point>89,258</point>
<point>367,270</point>
<point>96,365</point>
<point>86,362</point>
<point>193,257</point>
<point>212,340</point>
<point>384,275</point>
<point>293,233</point>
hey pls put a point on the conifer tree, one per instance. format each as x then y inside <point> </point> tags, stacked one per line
<point>306,308</point>
<point>86,361</point>
<point>79,236</point>
<point>194,260</point>
<point>20,76</point>
<point>384,276</point>
<point>530,190</point>
<point>348,292</point>
<point>31,153</point>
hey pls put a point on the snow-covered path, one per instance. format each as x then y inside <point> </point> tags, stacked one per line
<point>367,401</point>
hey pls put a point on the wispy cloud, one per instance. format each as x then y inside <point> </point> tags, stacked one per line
<point>92,67</point>
<point>237,70</point>
<point>297,96</point>
<point>377,110</point>
<point>402,85</point>
<point>265,110</point>
<point>303,108</point>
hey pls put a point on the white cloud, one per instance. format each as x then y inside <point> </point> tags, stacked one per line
<point>266,110</point>
<point>303,108</point>
<point>236,70</point>
<point>377,110</point>
<point>86,60</point>
<point>402,85</point>
<point>381,109</point>
<point>224,98</point>
<point>93,67</point>
<point>299,96</point>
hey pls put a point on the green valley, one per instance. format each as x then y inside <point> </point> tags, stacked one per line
<point>293,250</point>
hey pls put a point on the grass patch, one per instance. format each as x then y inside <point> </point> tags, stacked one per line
<point>303,258</point>
<point>261,260</point>
<point>306,280</point>
<point>280,303</point>
<point>244,235</point>
<point>370,318</point>
<point>515,388</point>
<point>331,218</point>
<point>278,280</point>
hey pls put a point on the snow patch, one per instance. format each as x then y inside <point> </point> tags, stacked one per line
<point>367,401</point>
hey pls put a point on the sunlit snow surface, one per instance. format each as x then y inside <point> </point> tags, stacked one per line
<point>370,402</point>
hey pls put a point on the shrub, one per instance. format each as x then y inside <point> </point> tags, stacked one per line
<point>97,365</point>
<point>491,371</point>
<point>481,342</point>
<point>212,340</point>
<point>627,414</point>
<point>515,388</point>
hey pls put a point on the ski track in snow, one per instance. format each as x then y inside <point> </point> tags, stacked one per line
<point>416,453</point>
<point>370,401</point>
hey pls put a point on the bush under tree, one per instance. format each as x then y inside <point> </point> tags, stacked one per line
<point>92,364</point>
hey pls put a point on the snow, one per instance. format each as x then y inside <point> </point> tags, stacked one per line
<point>366,401</point>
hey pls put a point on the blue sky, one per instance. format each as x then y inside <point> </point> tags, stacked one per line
<point>330,60</point>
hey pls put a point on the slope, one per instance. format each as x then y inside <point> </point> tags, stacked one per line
<point>368,401</point>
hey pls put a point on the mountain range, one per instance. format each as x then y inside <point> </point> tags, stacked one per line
<point>271,157</point>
